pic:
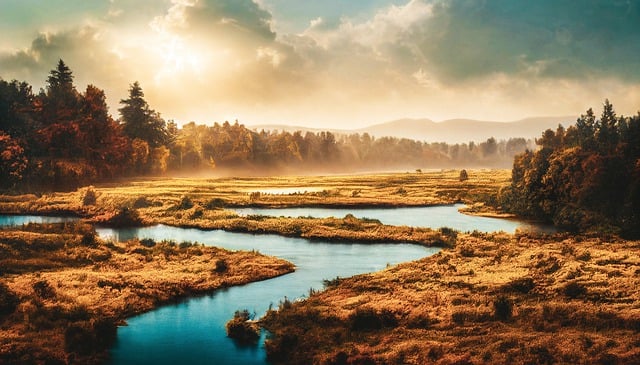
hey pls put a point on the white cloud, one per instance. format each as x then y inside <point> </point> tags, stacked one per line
<point>204,59</point>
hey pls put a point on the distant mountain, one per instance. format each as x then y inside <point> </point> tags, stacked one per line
<point>450,131</point>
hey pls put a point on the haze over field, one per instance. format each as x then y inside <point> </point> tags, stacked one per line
<point>335,64</point>
<point>448,131</point>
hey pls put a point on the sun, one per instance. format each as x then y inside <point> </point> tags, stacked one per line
<point>178,57</point>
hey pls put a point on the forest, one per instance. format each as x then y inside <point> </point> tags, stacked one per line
<point>60,138</point>
<point>584,177</point>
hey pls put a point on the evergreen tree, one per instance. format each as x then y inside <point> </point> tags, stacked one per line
<point>141,122</point>
<point>60,103</point>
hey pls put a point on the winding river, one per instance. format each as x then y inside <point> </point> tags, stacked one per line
<point>192,331</point>
<point>432,217</point>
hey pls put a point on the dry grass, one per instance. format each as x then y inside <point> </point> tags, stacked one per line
<point>157,195</point>
<point>67,282</point>
<point>200,203</point>
<point>493,299</point>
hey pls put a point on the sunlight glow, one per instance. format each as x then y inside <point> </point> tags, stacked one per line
<point>178,57</point>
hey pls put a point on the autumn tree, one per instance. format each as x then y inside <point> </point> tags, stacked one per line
<point>584,177</point>
<point>17,114</point>
<point>12,161</point>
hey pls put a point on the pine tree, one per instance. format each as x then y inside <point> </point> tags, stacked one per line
<point>141,122</point>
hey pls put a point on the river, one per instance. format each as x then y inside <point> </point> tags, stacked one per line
<point>432,217</point>
<point>192,331</point>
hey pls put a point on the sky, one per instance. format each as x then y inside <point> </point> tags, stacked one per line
<point>335,63</point>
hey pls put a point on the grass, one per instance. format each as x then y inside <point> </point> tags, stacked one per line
<point>517,299</point>
<point>62,294</point>
<point>158,195</point>
<point>208,204</point>
<point>489,298</point>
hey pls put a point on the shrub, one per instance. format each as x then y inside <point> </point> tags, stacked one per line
<point>43,289</point>
<point>88,239</point>
<point>125,218</point>
<point>241,329</point>
<point>148,242</point>
<point>463,175</point>
<point>8,300</point>
<point>197,213</point>
<point>221,266</point>
<point>185,203</point>
<point>141,202</point>
<point>574,290</point>
<point>502,308</point>
<point>215,203</point>
<point>521,285</point>
<point>184,245</point>
<point>368,319</point>
<point>90,197</point>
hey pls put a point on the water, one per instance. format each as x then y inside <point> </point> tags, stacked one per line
<point>18,220</point>
<point>433,217</point>
<point>192,332</point>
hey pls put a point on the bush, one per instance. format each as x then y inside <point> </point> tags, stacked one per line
<point>368,319</point>
<point>574,290</point>
<point>125,218</point>
<point>8,300</point>
<point>90,197</point>
<point>463,175</point>
<point>521,285</point>
<point>215,203</point>
<point>148,242</point>
<point>185,203</point>
<point>221,266</point>
<point>89,239</point>
<point>43,289</point>
<point>240,329</point>
<point>502,308</point>
<point>141,202</point>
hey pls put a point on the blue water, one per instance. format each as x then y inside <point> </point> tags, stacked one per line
<point>192,332</point>
<point>432,217</point>
<point>18,220</point>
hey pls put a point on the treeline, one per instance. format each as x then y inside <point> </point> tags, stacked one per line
<point>61,138</point>
<point>584,177</point>
<point>232,146</point>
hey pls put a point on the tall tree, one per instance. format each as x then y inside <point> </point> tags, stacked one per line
<point>140,121</point>
<point>60,103</point>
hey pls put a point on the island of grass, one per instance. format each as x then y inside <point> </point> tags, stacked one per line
<point>63,291</point>
<point>209,203</point>
<point>494,298</point>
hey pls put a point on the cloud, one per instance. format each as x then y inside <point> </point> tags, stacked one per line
<point>205,60</point>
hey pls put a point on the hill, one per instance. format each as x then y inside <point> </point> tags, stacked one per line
<point>450,131</point>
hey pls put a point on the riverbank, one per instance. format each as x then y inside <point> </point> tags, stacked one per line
<point>208,204</point>
<point>63,290</point>
<point>494,298</point>
<point>151,196</point>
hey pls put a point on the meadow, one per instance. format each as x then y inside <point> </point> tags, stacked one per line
<point>486,298</point>
<point>63,290</point>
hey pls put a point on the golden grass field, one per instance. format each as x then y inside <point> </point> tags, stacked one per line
<point>200,203</point>
<point>62,280</point>
<point>486,298</point>
<point>493,299</point>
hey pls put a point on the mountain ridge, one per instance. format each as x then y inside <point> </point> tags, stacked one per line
<point>459,130</point>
